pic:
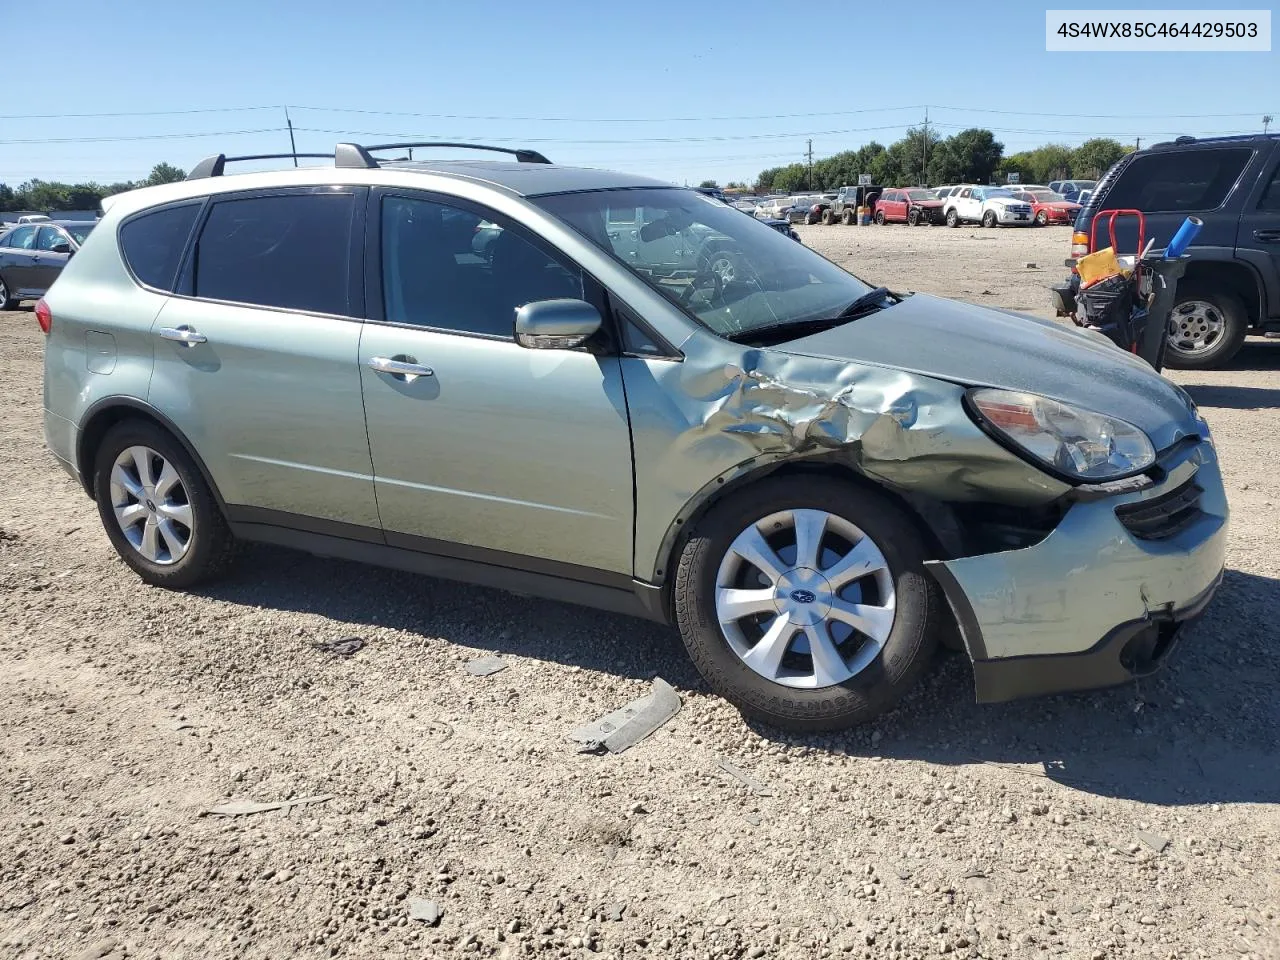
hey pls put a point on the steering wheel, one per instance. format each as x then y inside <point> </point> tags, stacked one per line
<point>704,278</point>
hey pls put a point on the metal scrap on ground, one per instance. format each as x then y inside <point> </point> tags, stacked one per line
<point>242,808</point>
<point>486,666</point>
<point>343,648</point>
<point>748,781</point>
<point>626,727</point>
<point>1152,840</point>
<point>428,911</point>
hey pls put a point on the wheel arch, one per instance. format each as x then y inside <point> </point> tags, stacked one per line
<point>745,475</point>
<point>109,411</point>
<point>1237,278</point>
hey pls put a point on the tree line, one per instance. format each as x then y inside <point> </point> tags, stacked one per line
<point>48,196</point>
<point>924,158</point>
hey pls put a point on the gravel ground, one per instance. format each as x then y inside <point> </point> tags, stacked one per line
<point>1140,822</point>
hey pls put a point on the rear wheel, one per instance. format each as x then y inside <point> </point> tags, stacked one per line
<point>805,602</point>
<point>827,218</point>
<point>6,302</point>
<point>1207,327</point>
<point>158,512</point>
<point>989,219</point>
<point>953,219</point>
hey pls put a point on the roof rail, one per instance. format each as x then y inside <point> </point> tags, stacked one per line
<point>214,166</point>
<point>355,155</point>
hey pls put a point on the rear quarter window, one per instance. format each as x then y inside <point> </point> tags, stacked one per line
<point>152,243</point>
<point>1178,181</point>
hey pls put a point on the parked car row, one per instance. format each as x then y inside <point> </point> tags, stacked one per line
<point>953,204</point>
<point>32,255</point>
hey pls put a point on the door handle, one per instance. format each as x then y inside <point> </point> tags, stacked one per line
<point>1267,236</point>
<point>183,334</point>
<point>406,367</point>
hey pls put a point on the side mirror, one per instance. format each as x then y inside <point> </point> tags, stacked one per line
<point>556,324</point>
<point>60,248</point>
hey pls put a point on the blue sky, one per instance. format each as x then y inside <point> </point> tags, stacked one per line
<point>680,91</point>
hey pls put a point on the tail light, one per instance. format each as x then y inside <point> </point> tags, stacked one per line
<point>44,317</point>
<point>1079,244</point>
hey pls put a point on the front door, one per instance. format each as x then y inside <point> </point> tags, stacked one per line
<point>47,264</point>
<point>482,448</point>
<point>16,260</point>
<point>257,363</point>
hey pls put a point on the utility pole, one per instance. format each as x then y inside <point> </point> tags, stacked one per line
<point>924,165</point>
<point>293,147</point>
<point>810,155</point>
<point>1137,144</point>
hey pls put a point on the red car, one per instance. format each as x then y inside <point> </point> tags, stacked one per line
<point>911,205</point>
<point>1048,207</point>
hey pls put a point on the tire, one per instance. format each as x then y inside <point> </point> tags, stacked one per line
<point>913,217</point>
<point>846,217</point>
<point>1198,310</point>
<point>989,219</point>
<point>879,218</point>
<point>6,302</point>
<point>810,219</point>
<point>827,218</point>
<point>953,218</point>
<point>209,548</point>
<point>1042,219</point>
<point>881,677</point>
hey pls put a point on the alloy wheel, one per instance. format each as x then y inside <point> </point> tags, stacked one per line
<point>1195,327</point>
<point>151,506</point>
<point>805,598</point>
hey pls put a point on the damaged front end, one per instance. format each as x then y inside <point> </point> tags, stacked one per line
<point>1054,585</point>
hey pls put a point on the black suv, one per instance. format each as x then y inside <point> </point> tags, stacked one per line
<point>1232,284</point>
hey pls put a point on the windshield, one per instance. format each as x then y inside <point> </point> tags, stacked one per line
<point>79,230</point>
<point>1048,196</point>
<point>997,192</point>
<point>922,195</point>
<point>731,273</point>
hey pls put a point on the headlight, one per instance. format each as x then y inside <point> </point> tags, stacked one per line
<point>1066,439</point>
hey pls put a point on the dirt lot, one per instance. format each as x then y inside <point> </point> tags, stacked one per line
<point>1037,828</point>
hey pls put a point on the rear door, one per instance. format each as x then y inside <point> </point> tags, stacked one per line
<point>1258,239</point>
<point>256,359</point>
<point>491,452</point>
<point>17,259</point>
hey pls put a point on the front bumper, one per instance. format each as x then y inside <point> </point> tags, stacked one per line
<point>1093,604</point>
<point>1009,219</point>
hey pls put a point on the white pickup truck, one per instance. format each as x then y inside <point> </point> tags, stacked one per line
<point>989,206</point>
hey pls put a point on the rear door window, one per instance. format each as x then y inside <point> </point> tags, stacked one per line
<point>289,251</point>
<point>1270,200</point>
<point>153,243</point>
<point>1178,181</point>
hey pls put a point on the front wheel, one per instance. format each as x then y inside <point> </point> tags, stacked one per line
<point>157,509</point>
<point>6,302</point>
<point>846,217</point>
<point>879,218</point>
<point>1207,327</point>
<point>913,217</point>
<point>1042,219</point>
<point>953,219</point>
<point>805,603</point>
<point>989,219</point>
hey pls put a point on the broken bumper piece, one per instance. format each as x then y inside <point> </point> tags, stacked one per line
<point>1104,597</point>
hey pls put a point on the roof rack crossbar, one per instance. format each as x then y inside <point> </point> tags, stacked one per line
<point>215,165</point>
<point>521,154</point>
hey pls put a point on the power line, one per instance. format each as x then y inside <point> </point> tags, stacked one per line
<point>130,113</point>
<point>150,136</point>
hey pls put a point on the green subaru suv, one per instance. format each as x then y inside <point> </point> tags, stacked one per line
<point>633,397</point>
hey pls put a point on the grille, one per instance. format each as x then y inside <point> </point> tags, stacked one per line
<point>1164,516</point>
<point>1019,208</point>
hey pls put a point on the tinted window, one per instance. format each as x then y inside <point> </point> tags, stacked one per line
<point>434,276</point>
<point>1177,181</point>
<point>153,243</point>
<point>291,251</point>
<point>1271,196</point>
<point>49,237</point>
<point>24,238</point>
<point>81,230</point>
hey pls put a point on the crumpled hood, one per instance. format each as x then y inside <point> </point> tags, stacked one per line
<point>978,346</point>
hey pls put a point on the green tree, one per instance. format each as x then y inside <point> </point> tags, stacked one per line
<point>1094,157</point>
<point>168,173</point>
<point>764,182</point>
<point>704,184</point>
<point>977,154</point>
<point>8,199</point>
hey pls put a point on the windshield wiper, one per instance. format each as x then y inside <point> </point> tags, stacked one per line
<point>797,328</point>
